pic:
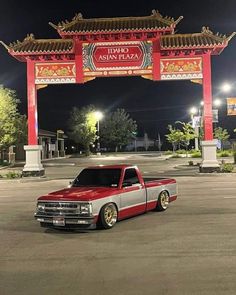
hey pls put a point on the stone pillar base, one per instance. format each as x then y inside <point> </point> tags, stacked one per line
<point>33,166</point>
<point>56,154</point>
<point>62,153</point>
<point>12,158</point>
<point>209,161</point>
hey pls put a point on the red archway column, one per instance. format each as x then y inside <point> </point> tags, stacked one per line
<point>209,160</point>
<point>32,105</point>
<point>207,97</point>
<point>33,166</point>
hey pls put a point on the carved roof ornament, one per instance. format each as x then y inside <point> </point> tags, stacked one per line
<point>29,37</point>
<point>231,36</point>
<point>61,25</point>
<point>53,25</point>
<point>178,20</point>
<point>206,30</point>
<point>4,45</point>
<point>156,13</point>
<point>218,36</point>
<point>77,17</point>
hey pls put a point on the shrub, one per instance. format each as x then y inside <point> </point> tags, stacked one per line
<point>227,168</point>
<point>180,152</point>
<point>13,174</point>
<point>168,153</point>
<point>224,154</point>
<point>196,154</point>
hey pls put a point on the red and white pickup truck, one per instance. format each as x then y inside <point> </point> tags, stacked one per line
<point>102,195</point>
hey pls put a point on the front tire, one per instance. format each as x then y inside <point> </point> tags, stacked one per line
<point>108,216</point>
<point>163,201</point>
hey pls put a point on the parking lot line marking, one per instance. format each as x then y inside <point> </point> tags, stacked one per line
<point>222,188</point>
<point>229,197</point>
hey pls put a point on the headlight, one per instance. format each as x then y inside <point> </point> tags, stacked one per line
<point>40,207</point>
<point>86,209</point>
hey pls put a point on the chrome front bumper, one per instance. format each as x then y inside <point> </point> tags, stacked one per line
<point>61,221</point>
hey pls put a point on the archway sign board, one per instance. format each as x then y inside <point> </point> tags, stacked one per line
<point>144,46</point>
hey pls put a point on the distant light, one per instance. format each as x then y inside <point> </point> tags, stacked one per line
<point>226,87</point>
<point>217,102</point>
<point>98,115</point>
<point>202,103</point>
<point>193,111</point>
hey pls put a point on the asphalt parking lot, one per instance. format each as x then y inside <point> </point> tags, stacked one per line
<point>188,249</point>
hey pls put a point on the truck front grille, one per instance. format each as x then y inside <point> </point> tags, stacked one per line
<point>58,208</point>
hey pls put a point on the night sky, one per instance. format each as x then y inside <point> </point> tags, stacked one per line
<point>153,105</point>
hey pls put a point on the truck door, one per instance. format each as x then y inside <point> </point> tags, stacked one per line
<point>133,196</point>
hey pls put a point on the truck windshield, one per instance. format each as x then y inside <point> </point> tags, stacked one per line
<point>98,177</point>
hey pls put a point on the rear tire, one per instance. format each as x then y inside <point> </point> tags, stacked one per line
<point>163,201</point>
<point>108,216</point>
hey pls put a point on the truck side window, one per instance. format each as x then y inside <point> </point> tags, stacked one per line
<point>131,176</point>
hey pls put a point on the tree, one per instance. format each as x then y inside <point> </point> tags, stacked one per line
<point>187,133</point>
<point>174,137</point>
<point>12,124</point>
<point>82,125</point>
<point>117,129</point>
<point>221,134</point>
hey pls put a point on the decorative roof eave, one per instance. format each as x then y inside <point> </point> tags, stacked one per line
<point>118,31</point>
<point>31,46</point>
<point>218,37</point>
<point>5,45</point>
<point>161,31</point>
<point>166,23</point>
<point>206,40</point>
<point>198,50</point>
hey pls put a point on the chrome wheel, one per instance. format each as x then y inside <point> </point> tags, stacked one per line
<point>108,216</point>
<point>163,201</point>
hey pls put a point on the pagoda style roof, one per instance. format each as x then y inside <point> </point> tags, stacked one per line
<point>30,45</point>
<point>145,28</point>
<point>155,21</point>
<point>205,39</point>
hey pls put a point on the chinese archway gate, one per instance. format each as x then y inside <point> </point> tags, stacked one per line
<point>108,47</point>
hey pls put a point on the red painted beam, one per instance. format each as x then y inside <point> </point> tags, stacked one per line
<point>207,97</point>
<point>32,104</point>
<point>79,62</point>
<point>156,71</point>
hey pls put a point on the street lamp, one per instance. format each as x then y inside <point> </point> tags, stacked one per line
<point>217,102</point>
<point>226,87</point>
<point>98,115</point>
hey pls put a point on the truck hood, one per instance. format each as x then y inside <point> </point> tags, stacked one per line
<point>80,194</point>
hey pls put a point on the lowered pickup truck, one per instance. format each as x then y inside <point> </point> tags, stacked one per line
<point>102,195</point>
